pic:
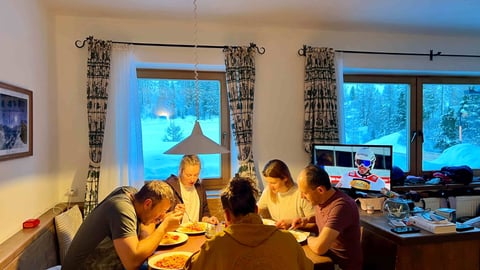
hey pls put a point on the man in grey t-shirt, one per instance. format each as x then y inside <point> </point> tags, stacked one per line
<point>121,232</point>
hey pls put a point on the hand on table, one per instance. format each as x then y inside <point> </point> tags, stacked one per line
<point>283,224</point>
<point>212,220</point>
<point>297,222</point>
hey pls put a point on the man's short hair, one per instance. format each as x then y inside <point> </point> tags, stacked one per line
<point>155,190</point>
<point>316,176</point>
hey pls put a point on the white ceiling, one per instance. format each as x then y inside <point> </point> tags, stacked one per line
<point>409,16</point>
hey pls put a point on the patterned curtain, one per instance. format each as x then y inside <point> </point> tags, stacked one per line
<point>320,97</point>
<point>240,66</point>
<point>98,72</point>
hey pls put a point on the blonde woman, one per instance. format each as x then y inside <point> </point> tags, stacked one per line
<point>281,199</point>
<point>189,191</point>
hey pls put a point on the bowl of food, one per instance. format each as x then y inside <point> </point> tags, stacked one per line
<point>173,238</point>
<point>174,260</point>
<point>193,227</point>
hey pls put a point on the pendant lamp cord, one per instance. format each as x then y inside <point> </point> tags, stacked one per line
<point>195,54</point>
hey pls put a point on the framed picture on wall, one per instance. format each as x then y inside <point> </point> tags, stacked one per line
<point>16,122</point>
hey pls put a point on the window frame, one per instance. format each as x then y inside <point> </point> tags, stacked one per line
<point>225,166</point>
<point>415,119</point>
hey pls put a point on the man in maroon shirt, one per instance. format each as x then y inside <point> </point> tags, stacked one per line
<point>336,216</point>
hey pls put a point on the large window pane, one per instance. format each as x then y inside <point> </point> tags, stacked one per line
<point>451,125</point>
<point>377,113</point>
<point>169,108</point>
<point>431,121</point>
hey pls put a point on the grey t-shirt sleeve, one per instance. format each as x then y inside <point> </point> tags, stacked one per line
<point>123,220</point>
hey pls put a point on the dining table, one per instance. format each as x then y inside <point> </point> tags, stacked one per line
<point>194,243</point>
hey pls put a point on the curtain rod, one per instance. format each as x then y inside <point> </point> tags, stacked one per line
<point>302,52</point>
<point>81,44</point>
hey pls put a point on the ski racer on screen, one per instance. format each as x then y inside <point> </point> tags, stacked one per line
<point>362,178</point>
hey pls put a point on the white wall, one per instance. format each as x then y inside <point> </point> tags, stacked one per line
<point>61,153</point>
<point>28,186</point>
<point>278,119</point>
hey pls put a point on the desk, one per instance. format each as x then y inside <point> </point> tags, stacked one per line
<point>195,242</point>
<point>385,250</point>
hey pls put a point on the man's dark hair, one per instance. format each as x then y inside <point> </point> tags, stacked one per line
<point>155,190</point>
<point>316,176</point>
<point>240,196</point>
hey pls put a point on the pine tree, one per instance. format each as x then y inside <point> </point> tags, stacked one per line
<point>173,133</point>
<point>400,118</point>
<point>448,127</point>
<point>469,113</point>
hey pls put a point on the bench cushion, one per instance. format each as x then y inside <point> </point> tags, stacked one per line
<point>67,224</point>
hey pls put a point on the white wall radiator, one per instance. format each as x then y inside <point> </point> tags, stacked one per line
<point>466,206</point>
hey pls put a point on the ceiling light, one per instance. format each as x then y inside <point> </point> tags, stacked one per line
<point>197,142</point>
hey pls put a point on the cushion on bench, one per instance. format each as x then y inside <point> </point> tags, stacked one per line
<point>67,224</point>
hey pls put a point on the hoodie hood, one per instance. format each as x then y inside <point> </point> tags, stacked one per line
<point>250,231</point>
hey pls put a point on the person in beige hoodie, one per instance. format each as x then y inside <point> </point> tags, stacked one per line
<point>246,243</point>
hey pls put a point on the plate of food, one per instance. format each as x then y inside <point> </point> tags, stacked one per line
<point>267,221</point>
<point>193,227</point>
<point>174,260</point>
<point>299,235</point>
<point>173,238</point>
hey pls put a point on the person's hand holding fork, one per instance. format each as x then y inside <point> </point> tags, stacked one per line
<point>181,208</point>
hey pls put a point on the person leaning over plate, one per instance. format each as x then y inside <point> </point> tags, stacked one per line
<point>124,229</point>
<point>336,216</point>
<point>281,200</point>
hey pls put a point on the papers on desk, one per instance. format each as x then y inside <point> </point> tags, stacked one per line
<point>435,226</point>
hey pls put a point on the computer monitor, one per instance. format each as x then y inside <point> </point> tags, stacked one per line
<point>366,168</point>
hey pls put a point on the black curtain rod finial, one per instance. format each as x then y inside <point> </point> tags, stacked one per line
<point>260,50</point>
<point>303,51</point>
<point>80,44</point>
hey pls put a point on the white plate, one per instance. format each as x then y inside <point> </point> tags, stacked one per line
<point>188,229</point>
<point>267,221</point>
<point>173,238</point>
<point>299,235</point>
<point>154,259</point>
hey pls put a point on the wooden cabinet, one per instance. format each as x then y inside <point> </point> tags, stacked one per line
<point>384,250</point>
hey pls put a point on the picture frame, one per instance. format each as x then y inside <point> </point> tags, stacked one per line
<point>16,122</point>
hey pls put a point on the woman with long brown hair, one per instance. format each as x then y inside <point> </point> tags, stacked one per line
<point>281,200</point>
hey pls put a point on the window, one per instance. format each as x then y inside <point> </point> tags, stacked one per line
<point>169,109</point>
<point>431,122</point>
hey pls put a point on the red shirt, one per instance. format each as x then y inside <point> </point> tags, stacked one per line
<point>340,213</point>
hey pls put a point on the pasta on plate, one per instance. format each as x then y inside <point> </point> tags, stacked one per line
<point>173,238</point>
<point>192,227</point>
<point>169,261</point>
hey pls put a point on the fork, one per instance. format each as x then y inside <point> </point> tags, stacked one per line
<point>188,217</point>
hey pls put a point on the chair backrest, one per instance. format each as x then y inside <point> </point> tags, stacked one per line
<point>66,225</point>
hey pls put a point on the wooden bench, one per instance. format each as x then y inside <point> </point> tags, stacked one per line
<point>35,248</point>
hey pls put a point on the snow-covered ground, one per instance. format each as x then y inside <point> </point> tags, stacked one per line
<point>460,154</point>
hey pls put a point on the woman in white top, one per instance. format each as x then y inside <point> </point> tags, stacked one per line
<point>189,191</point>
<point>281,200</point>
